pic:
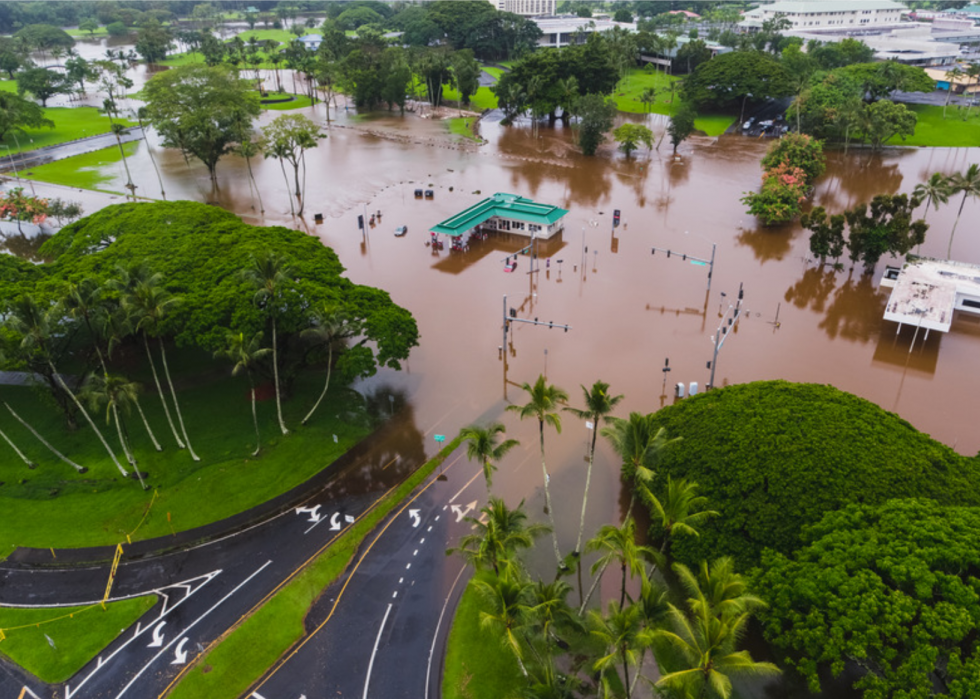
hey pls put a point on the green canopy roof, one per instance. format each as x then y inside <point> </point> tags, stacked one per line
<point>503,205</point>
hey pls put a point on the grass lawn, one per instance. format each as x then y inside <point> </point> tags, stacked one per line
<point>299,102</point>
<point>483,99</point>
<point>70,123</point>
<point>493,70</point>
<point>714,124</point>
<point>477,666</point>
<point>283,36</point>
<point>85,34</point>
<point>935,132</point>
<point>242,656</point>
<point>463,126</point>
<point>628,91</point>
<point>8,85</point>
<point>78,633</point>
<point>87,171</point>
<point>54,506</point>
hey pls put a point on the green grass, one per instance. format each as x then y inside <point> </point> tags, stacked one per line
<point>70,123</point>
<point>952,132</point>
<point>78,633</point>
<point>463,127</point>
<point>299,102</point>
<point>84,34</point>
<point>87,171</point>
<point>483,99</point>
<point>54,506</point>
<point>714,124</point>
<point>493,70</point>
<point>251,648</point>
<point>628,91</point>
<point>477,667</point>
<point>283,36</point>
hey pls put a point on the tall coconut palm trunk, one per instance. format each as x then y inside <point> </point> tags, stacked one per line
<point>592,588</point>
<point>585,494</point>
<point>8,440</point>
<point>173,395</point>
<point>547,495</point>
<point>326,385</point>
<point>255,418</point>
<point>163,397</point>
<point>146,424</point>
<point>127,449</point>
<point>42,440</point>
<point>88,418</point>
<point>275,377</point>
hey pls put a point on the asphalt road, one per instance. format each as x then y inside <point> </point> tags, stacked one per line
<point>205,590</point>
<point>40,156</point>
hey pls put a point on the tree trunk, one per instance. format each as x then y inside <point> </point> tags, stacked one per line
<point>153,438</point>
<point>626,675</point>
<point>88,419</point>
<point>275,376</point>
<point>248,164</point>
<point>622,594</point>
<point>595,584</point>
<point>292,209</point>
<point>126,449</point>
<point>325,386</point>
<point>949,250</point>
<point>30,464</point>
<point>547,495</point>
<point>42,440</point>
<point>585,495</point>
<point>173,395</point>
<point>255,418</point>
<point>129,178</point>
<point>163,398</point>
<point>302,199</point>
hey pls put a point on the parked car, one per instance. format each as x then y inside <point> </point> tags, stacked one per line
<point>400,231</point>
<point>748,124</point>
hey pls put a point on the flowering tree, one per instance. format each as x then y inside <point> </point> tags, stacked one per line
<point>19,207</point>
<point>783,190</point>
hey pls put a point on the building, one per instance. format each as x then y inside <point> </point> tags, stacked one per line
<point>311,41</point>
<point>827,14</point>
<point>960,85</point>
<point>926,293</point>
<point>507,213</point>
<point>564,31</point>
<point>527,8</point>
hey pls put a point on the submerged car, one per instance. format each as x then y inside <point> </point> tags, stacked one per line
<point>400,231</point>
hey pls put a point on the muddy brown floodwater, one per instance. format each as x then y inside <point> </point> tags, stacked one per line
<point>628,310</point>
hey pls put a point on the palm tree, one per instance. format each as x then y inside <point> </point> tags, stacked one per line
<point>706,644</point>
<point>34,325</point>
<point>648,97</point>
<point>618,545</point>
<point>116,392</point>
<point>969,183</point>
<point>140,116</point>
<point>973,71</point>
<point>619,631</point>
<point>548,609</point>
<point>718,589</point>
<point>151,303</point>
<point>482,446</point>
<point>598,404</point>
<point>268,274</point>
<point>244,356</point>
<point>505,612</point>
<point>951,76</point>
<point>42,440</point>
<point>639,446</point>
<point>543,403</point>
<point>495,541</point>
<point>329,325</point>
<point>681,510</point>
<point>935,191</point>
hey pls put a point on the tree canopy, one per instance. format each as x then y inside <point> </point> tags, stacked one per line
<point>198,250</point>
<point>731,78</point>
<point>18,113</point>
<point>894,588</point>
<point>775,456</point>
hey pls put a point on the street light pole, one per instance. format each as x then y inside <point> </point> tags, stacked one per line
<point>721,334</point>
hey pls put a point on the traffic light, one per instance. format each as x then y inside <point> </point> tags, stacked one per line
<point>360,221</point>
<point>615,218</point>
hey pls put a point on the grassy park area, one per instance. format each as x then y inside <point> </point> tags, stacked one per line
<point>77,634</point>
<point>70,124</point>
<point>230,666</point>
<point>88,170</point>
<point>960,128</point>
<point>53,506</point>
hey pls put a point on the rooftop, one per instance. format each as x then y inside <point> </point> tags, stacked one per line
<point>503,205</point>
<point>927,291</point>
<point>802,6</point>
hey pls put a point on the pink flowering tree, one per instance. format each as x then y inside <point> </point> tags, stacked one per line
<point>20,207</point>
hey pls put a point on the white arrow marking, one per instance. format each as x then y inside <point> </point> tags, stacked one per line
<point>180,655</point>
<point>349,520</point>
<point>461,512</point>
<point>157,636</point>
<point>313,512</point>
<point>414,514</point>
<point>335,522</point>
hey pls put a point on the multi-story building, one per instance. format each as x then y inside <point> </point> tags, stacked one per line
<point>527,8</point>
<point>807,15</point>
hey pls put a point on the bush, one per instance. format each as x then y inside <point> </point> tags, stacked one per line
<point>117,29</point>
<point>773,457</point>
<point>783,192</point>
<point>797,150</point>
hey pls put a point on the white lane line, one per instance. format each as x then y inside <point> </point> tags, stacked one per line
<point>438,516</point>
<point>430,526</point>
<point>422,541</point>
<point>394,594</point>
<point>468,484</point>
<point>400,580</point>
<point>416,552</point>
<point>408,566</point>
<point>191,626</point>
<point>377,642</point>
<point>435,635</point>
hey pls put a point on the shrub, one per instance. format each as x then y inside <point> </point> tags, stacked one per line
<point>798,150</point>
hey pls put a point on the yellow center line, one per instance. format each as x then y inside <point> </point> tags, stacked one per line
<point>391,462</point>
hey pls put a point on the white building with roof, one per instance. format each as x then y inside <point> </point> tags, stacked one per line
<point>827,14</point>
<point>527,8</point>
<point>565,31</point>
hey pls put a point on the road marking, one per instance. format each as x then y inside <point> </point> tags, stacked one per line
<point>408,566</point>
<point>377,642</point>
<point>157,636</point>
<point>313,512</point>
<point>416,552</point>
<point>435,635</point>
<point>462,512</point>
<point>25,691</point>
<point>429,529</point>
<point>468,484</point>
<point>391,462</point>
<point>189,627</point>
<point>414,514</point>
<point>400,580</point>
<point>438,516</point>
<point>422,541</point>
<point>180,655</point>
<point>394,594</point>
<point>166,608</point>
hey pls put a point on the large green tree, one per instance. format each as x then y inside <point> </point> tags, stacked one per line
<point>200,110</point>
<point>595,117</point>
<point>42,84</point>
<point>19,113</point>
<point>287,138</point>
<point>732,79</point>
<point>892,588</point>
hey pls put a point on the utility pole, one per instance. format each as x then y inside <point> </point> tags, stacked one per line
<point>721,334</point>
<point>511,317</point>
<point>710,264</point>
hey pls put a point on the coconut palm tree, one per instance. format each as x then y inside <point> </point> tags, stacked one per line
<point>543,403</point>
<point>140,116</point>
<point>951,77</point>
<point>934,191</point>
<point>969,183</point>
<point>619,632</point>
<point>268,275</point>
<point>131,313</point>
<point>648,97</point>
<point>548,609</point>
<point>639,446</point>
<point>116,393</point>
<point>717,588</point>
<point>618,545</point>
<point>505,612</point>
<point>35,326</point>
<point>330,324</point>
<point>482,446</point>
<point>244,355</point>
<point>598,404</point>
<point>42,440</point>
<point>706,644</point>
<point>496,541</point>
<point>679,512</point>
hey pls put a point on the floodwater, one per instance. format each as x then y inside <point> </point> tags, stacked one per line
<point>629,310</point>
